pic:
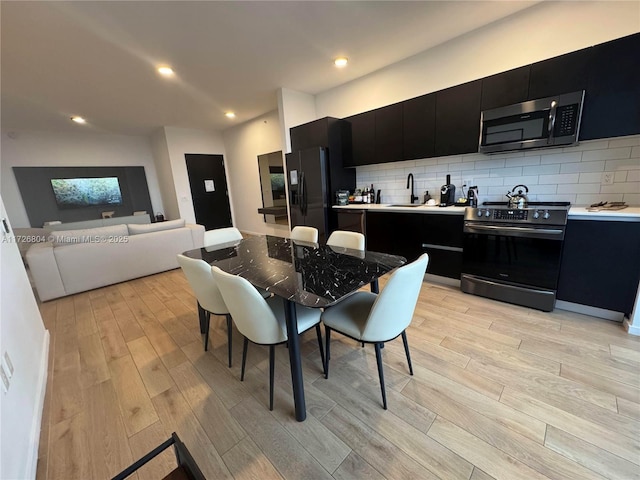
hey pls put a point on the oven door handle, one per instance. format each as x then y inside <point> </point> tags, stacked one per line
<point>508,231</point>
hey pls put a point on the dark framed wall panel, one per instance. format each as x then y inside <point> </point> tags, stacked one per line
<point>37,194</point>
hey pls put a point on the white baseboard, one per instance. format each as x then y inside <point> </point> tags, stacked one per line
<point>631,329</point>
<point>36,425</point>
<point>592,311</point>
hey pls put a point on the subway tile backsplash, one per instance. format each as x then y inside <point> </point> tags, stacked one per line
<point>573,174</point>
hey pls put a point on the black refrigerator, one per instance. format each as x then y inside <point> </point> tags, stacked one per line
<point>313,178</point>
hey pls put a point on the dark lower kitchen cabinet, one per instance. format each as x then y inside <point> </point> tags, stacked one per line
<point>458,119</point>
<point>394,232</point>
<point>418,127</point>
<point>363,129</point>
<point>412,234</point>
<point>505,88</point>
<point>612,99</point>
<point>351,220</point>
<point>388,133</point>
<point>442,238</point>
<point>600,264</point>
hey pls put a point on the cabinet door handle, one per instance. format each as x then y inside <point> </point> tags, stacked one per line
<point>441,247</point>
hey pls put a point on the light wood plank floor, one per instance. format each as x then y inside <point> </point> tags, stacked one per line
<point>499,391</point>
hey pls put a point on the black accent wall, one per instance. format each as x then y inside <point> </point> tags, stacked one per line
<point>37,194</point>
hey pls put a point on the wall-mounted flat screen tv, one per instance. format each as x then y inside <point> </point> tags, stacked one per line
<point>86,192</point>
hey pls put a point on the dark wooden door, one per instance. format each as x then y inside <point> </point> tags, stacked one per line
<point>211,207</point>
<point>505,88</point>
<point>564,74</point>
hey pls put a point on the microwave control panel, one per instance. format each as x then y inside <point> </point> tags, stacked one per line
<point>566,119</point>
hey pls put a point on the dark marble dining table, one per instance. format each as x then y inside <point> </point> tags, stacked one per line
<point>300,273</point>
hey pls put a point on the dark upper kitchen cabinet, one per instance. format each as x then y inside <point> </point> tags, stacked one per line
<point>418,127</point>
<point>458,119</point>
<point>363,129</point>
<point>563,74</point>
<point>612,102</point>
<point>505,88</point>
<point>388,133</point>
<point>327,132</point>
<point>600,264</point>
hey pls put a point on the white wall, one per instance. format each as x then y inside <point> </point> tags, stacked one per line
<point>294,108</point>
<point>23,336</point>
<point>243,144</point>
<point>543,31</point>
<point>49,149</point>
<point>165,175</point>
<point>180,141</point>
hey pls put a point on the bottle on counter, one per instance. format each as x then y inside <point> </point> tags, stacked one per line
<point>372,195</point>
<point>365,195</point>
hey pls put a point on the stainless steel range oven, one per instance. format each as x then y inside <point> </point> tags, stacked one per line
<point>514,255</point>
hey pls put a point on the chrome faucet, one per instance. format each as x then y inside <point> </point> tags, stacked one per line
<point>410,179</point>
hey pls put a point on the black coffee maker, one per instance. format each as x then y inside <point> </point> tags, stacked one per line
<point>447,193</point>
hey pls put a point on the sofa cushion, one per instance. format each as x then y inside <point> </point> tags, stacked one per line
<point>88,235</point>
<point>155,227</point>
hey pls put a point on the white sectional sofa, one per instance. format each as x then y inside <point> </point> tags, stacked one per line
<point>74,261</point>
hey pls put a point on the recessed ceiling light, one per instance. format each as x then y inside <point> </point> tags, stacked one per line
<point>230,115</point>
<point>165,71</point>
<point>78,119</point>
<point>341,61</point>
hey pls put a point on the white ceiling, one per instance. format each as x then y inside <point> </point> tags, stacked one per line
<point>98,59</point>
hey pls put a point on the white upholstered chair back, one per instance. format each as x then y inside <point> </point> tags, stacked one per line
<point>392,311</point>
<point>198,273</point>
<point>304,234</point>
<point>250,311</point>
<point>346,239</point>
<point>221,235</point>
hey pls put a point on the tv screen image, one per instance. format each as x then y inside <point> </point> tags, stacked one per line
<point>86,192</point>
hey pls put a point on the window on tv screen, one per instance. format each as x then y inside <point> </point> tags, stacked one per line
<point>86,192</point>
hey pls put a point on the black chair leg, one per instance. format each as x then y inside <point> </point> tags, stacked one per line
<point>229,334</point>
<point>327,334</point>
<point>201,317</point>
<point>245,345</point>
<point>272,361</point>
<point>320,346</point>
<point>207,322</point>
<point>406,350</point>
<point>381,374</point>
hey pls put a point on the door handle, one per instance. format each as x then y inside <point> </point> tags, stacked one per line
<point>301,194</point>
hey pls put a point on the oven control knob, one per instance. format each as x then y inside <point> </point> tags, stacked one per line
<point>487,213</point>
<point>546,214</point>
<point>536,214</point>
<point>479,212</point>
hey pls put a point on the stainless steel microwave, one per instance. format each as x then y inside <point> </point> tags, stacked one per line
<point>545,122</point>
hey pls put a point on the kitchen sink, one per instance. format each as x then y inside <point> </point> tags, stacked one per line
<point>407,205</point>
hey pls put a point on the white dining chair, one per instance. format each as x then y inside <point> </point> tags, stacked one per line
<point>346,239</point>
<point>262,321</point>
<point>370,318</point>
<point>304,234</point>
<point>221,235</point>
<point>198,273</point>
<point>208,296</point>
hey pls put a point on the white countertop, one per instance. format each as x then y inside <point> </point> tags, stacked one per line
<point>629,214</point>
